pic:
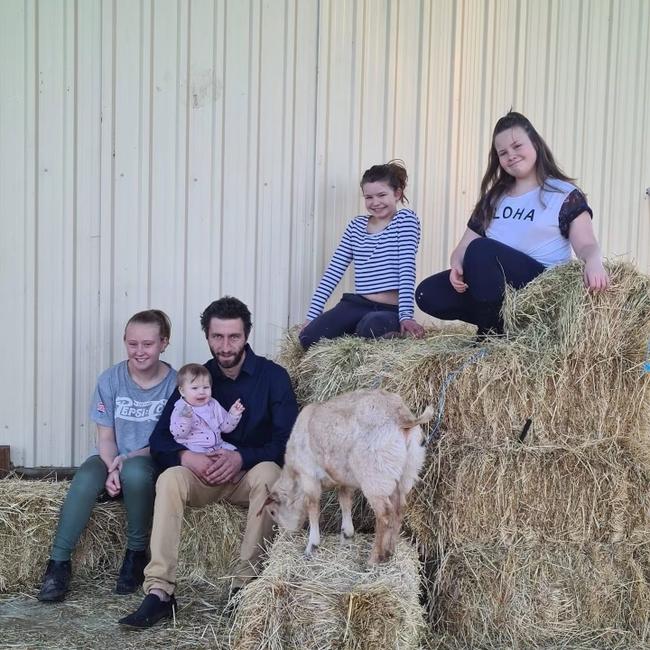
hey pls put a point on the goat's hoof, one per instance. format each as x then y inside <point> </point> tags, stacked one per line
<point>378,558</point>
<point>309,551</point>
<point>346,538</point>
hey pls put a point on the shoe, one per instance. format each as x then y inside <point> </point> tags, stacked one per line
<point>55,581</point>
<point>151,610</point>
<point>131,574</point>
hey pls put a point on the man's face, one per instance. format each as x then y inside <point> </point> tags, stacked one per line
<point>226,339</point>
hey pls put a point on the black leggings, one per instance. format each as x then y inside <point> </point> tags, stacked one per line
<point>353,315</point>
<point>487,267</point>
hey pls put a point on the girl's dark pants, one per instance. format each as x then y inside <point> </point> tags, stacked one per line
<point>353,315</point>
<point>487,267</point>
<point>138,479</point>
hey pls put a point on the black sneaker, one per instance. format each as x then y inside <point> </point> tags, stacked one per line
<point>151,610</point>
<point>55,581</point>
<point>132,572</point>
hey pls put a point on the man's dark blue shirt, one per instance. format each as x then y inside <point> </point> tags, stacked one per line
<point>265,390</point>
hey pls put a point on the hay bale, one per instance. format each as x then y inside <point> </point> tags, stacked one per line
<point>29,512</point>
<point>555,312</point>
<point>290,354</point>
<point>491,396</point>
<point>470,493</point>
<point>363,516</point>
<point>565,349</point>
<point>534,595</point>
<point>332,600</point>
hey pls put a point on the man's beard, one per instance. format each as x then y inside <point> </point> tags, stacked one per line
<point>230,362</point>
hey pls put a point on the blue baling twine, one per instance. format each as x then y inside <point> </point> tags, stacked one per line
<point>443,391</point>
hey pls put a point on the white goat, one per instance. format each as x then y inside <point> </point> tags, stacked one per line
<point>365,439</point>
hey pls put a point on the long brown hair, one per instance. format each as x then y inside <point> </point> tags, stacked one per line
<point>496,182</point>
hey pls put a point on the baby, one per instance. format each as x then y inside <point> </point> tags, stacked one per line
<point>198,420</point>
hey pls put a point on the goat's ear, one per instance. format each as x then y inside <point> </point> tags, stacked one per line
<point>269,499</point>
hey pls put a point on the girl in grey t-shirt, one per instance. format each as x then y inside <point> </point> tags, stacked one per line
<point>127,402</point>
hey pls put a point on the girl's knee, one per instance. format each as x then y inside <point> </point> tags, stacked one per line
<point>138,472</point>
<point>376,324</point>
<point>90,477</point>
<point>433,294</point>
<point>310,334</point>
<point>479,251</point>
<point>480,262</point>
<point>421,295</point>
<point>305,340</point>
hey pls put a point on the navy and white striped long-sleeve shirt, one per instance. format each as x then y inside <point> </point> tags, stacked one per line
<point>383,261</point>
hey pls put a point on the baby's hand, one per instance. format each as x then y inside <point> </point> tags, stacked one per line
<point>187,411</point>
<point>237,408</point>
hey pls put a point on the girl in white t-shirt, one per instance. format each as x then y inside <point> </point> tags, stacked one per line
<point>528,218</point>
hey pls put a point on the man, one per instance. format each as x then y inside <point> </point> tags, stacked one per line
<point>196,479</point>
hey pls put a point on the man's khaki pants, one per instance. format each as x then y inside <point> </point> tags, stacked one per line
<point>177,487</point>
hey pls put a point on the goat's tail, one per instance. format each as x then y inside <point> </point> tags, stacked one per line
<point>427,416</point>
<point>415,451</point>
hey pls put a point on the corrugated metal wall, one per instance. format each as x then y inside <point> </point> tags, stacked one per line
<point>165,152</point>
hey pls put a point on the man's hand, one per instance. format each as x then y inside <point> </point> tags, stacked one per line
<point>199,464</point>
<point>226,464</point>
<point>215,468</point>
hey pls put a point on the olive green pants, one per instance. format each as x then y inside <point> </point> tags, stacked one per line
<point>138,479</point>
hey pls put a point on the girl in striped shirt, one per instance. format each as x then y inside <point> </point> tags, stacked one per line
<point>383,245</point>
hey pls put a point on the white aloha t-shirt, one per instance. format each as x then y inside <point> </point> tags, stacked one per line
<point>537,223</point>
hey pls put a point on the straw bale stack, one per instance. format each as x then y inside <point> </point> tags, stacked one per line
<point>332,600</point>
<point>530,595</point>
<point>496,389</point>
<point>29,512</point>
<point>540,541</point>
<point>548,367</point>
<point>472,493</point>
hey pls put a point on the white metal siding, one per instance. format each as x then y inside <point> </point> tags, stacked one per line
<point>165,152</point>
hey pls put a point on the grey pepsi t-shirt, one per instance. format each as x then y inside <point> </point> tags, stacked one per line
<point>132,412</point>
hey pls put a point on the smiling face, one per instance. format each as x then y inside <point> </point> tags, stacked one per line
<point>144,346</point>
<point>516,153</point>
<point>197,391</point>
<point>381,200</point>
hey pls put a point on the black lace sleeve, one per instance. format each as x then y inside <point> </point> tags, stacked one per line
<point>574,205</point>
<point>475,225</point>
